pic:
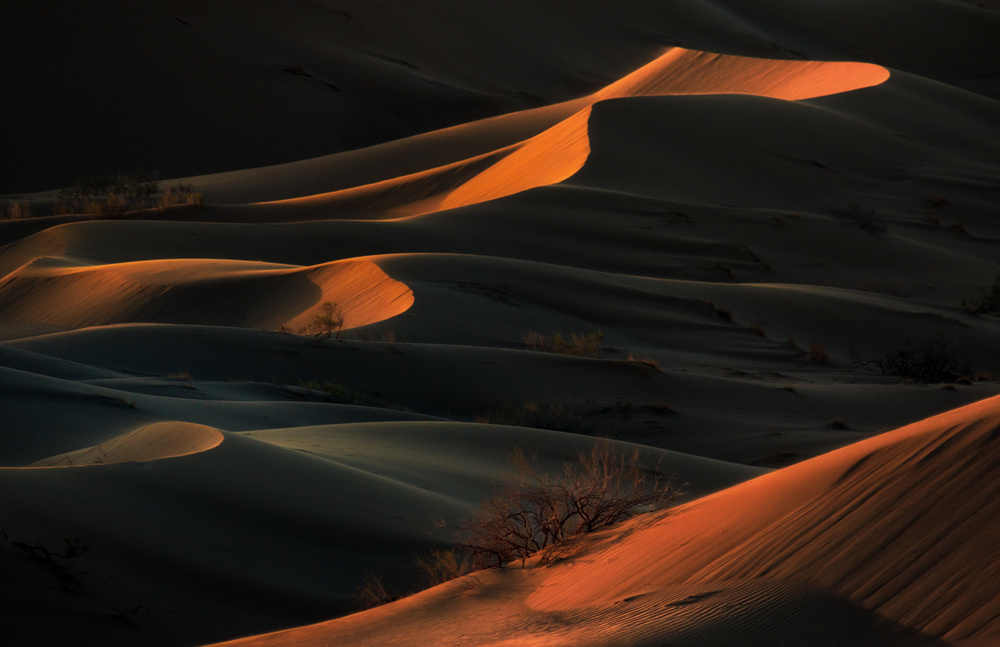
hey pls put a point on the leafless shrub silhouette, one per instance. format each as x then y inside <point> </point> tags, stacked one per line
<point>329,321</point>
<point>538,511</point>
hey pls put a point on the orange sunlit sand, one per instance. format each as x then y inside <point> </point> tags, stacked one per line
<point>393,244</point>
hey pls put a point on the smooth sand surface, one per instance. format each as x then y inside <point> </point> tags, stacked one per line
<point>754,209</point>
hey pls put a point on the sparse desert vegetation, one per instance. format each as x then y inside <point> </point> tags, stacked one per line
<point>579,344</point>
<point>538,511</point>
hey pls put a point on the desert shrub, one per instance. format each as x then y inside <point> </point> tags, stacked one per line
<point>180,194</point>
<point>538,511</point>
<point>110,196</point>
<point>534,340</point>
<point>928,359</point>
<point>372,592</point>
<point>328,320</point>
<point>439,565</point>
<point>988,300</point>
<point>578,344</point>
<point>18,211</point>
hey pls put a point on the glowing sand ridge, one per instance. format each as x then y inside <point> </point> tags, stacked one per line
<point>557,153</point>
<point>152,442</point>
<point>205,291</point>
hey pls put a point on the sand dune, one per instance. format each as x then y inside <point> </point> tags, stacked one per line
<point>729,235</point>
<point>153,442</point>
<point>885,523</point>
<point>560,151</point>
<point>59,292</point>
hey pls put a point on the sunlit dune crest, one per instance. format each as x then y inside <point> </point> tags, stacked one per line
<point>560,151</point>
<point>152,442</point>
<point>548,158</point>
<point>199,291</point>
<point>891,524</point>
<point>684,71</point>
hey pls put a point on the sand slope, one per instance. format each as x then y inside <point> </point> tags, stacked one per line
<point>51,291</point>
<point>889,523</point>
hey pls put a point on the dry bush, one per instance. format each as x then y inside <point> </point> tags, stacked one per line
<point>180,194</point>
<point>578,344</point>
<point>929,359</point>
<point>439,566</point>
<point>534,340</point>
<point>329,321</point>
<point>538,511</point>
<point>372,592</point>
<point>18,211</point>
<point>109,197</point>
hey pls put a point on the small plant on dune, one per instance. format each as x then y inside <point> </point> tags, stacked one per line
<point>109,197</point>
<point>927,359</point>
<point>372,592</point>
<point>18,211</point>
<point>180,194</point>
<point>329,321</point>
<point>988,301</point>
<point>440,565</point>
<point>538,511</point>
<point>534,340</point>
<point>578,344</point>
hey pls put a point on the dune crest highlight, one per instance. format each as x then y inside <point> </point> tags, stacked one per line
<point>198,291</point>
<point>557,153</point>
<point>149,443</point>
<point>684,71</point>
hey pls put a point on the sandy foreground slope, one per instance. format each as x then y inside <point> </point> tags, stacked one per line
<point>898,525</point>
<point>748,238</point>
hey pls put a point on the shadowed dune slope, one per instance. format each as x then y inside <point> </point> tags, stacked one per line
<point>235,293</point>
<point>152,442</point>
<point>901,524</point>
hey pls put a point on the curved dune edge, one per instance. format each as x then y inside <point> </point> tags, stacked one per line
<point>549,158</point>
<point>683,71</point>
<point>902,524</point>
<point>152,442</point>
<point>199,291</point>
<point>557,153</point>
